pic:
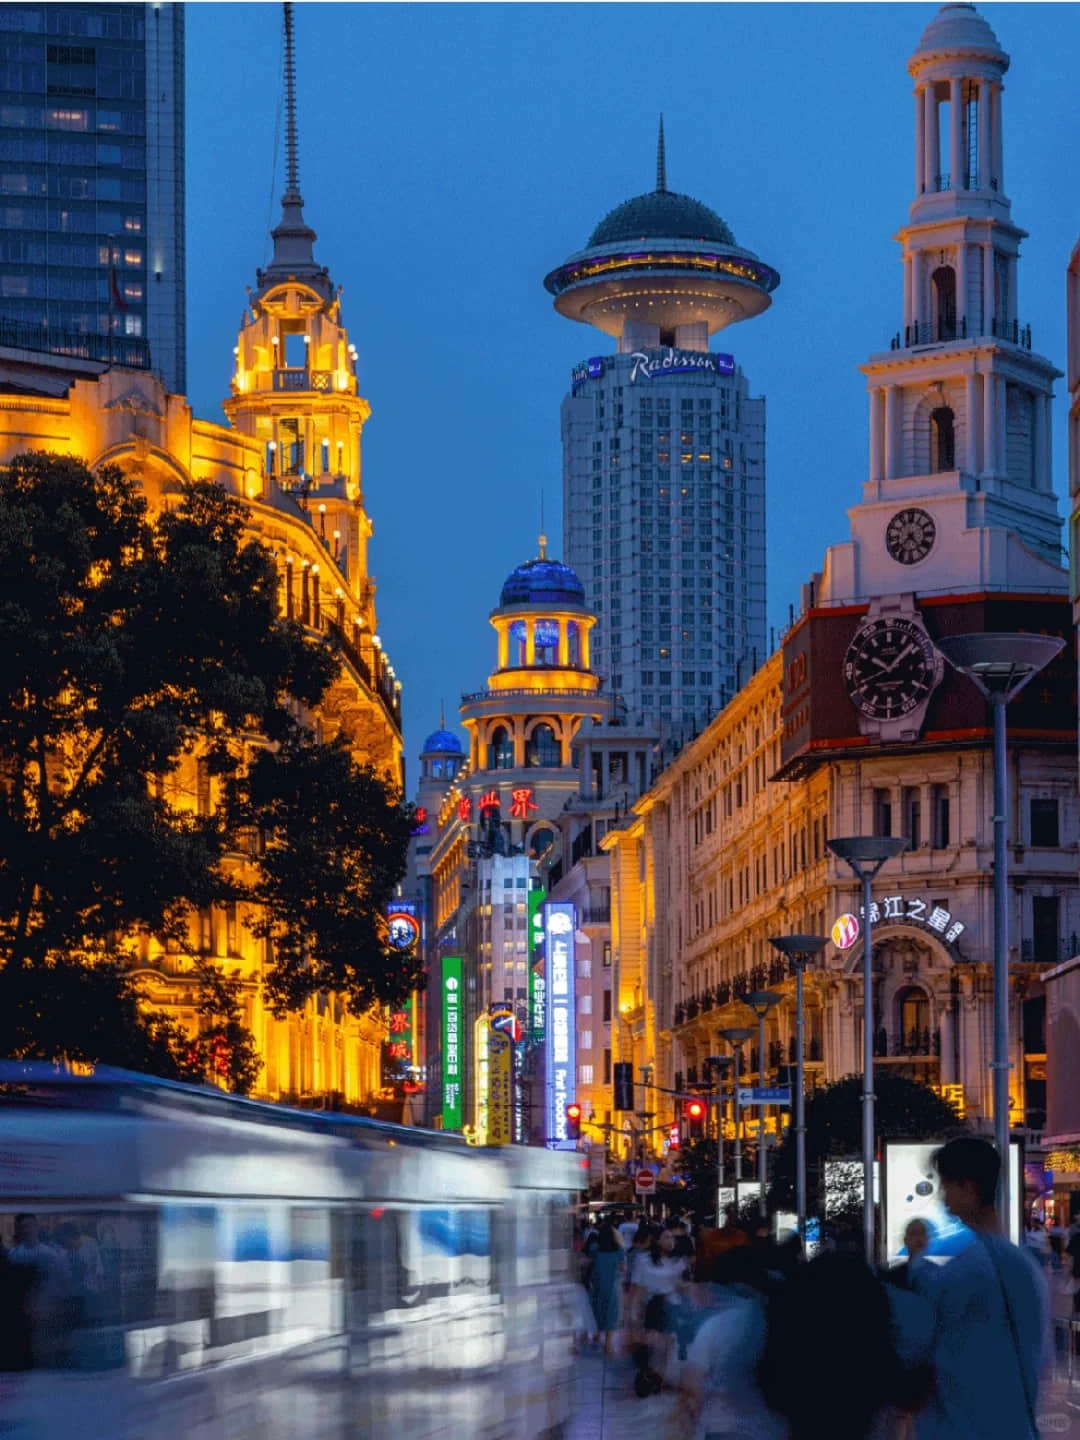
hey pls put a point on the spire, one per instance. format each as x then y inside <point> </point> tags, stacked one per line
<point>543,537</point>
<point>661,158</point>
<point>442,715</point>
<point>293,237</point>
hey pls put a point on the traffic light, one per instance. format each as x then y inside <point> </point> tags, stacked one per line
<point>573,1120</point>
<point>695,1119</point>
<point>623,1073</point>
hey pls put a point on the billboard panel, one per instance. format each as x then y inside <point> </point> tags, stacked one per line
<point>500,1081</point>
<point>451,1042</point>
<point>560,1037</point>
<point>913,1191</point>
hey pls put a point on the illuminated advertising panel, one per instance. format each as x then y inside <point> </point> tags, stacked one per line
<point>536,978</point>
<point>559,1034</point>
<point>500,1083</point>
<point>451,1042</point>
<point>481,1068</point>
<point>913,1191</point>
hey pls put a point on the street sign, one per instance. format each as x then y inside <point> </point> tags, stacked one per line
<point>645,1182</point>
<point>764,1094</point>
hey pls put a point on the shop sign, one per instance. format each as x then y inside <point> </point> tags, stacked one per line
<point>451,1042</point>
<point>649,364</point>
<point>560,925</point>
<point>902,909</point>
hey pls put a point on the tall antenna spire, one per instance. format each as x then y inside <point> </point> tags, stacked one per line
<point>292,164</point>
<point>661,156</point>
<point>543,537</point>
<point>442,715</point>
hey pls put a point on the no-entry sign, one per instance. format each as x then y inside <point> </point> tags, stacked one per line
<point>645,1182</point>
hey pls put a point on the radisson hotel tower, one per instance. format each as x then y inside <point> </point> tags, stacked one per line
<point>664,457</point>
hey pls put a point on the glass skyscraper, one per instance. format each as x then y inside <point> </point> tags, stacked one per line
<point>664,458</point>
<point>92,182</point>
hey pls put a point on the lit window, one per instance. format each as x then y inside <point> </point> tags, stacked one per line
<point>132,257</point>
<point>585,1074</point>
<point>132,324</point>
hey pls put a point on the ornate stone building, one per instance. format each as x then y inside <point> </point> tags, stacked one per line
<point>293,458</point>
<point>858,727</point>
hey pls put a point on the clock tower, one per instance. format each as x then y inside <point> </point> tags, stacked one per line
<point>959,495</point>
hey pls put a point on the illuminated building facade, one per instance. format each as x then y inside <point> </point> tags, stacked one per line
<point>92,248</point>
<point>664,457</point>
<point>857,726</point>
<point>310,514</point>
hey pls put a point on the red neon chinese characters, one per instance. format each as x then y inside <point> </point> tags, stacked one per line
<point>464,809</point>
<point>398,1050</point>
<point>489,800</point>
<point>522,803</point>
<point>399,1022</point>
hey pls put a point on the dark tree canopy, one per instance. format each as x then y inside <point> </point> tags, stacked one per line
<point>132,642</point>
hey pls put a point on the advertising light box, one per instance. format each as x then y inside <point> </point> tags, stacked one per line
<point>451,1042</point>
<point>560,1036</point>
<point>913,1191</point>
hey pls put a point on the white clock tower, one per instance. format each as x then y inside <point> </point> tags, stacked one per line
<point>959,496</point>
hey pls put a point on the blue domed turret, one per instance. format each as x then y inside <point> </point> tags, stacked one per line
<point>542,582</point>
<point>442,742</point>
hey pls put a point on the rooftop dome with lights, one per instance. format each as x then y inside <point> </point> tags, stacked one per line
<point>442,742</point>
<point>542,582</point>
<point>665,259</point>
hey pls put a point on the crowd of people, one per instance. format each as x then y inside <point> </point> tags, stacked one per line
<point>754,1341</point>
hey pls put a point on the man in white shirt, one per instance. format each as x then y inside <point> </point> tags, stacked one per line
<point>991,1315</point>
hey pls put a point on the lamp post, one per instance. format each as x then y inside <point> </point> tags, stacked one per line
<point>737,1036</point>
<point>1001,665</point>
<point>866,854</point>
<point>800,950</point>
<point>719,1064</point>
<point>761,1002</point>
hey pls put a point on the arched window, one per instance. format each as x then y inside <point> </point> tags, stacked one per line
<point>913,1015</point>
<point>942,440</point>
<point>944,281</point>
<point>517,642</point>
<point>540,842</point>
<point>573,642</point>
<point>501,749</point>
<point>542,747</point>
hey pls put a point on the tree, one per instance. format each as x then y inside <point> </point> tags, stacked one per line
<point>133,643</point>
<point>904,1110</point>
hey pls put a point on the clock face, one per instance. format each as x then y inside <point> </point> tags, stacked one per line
<point>910,536</point>
<point>889,668</point>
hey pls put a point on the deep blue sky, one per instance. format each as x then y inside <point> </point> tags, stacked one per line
<point>452,154</point>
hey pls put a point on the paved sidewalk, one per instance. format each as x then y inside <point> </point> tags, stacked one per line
<point>605,1406</point>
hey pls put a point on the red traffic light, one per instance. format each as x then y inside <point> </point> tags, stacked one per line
<point>573,1112</point>
<point>696,1109</point>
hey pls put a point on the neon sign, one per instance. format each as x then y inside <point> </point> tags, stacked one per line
<point>905,909</point>
<point>521,802</point>
<point>650,363</point>
<point>559,1035</point>
<point>451,1042</point>
<point>402,926</point>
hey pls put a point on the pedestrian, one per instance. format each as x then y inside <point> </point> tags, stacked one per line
<point>628,1227</point>
<point>991,1314</point>
<point>1037,1243</point>
<point>608,1266</point>
<point>658,1277</point>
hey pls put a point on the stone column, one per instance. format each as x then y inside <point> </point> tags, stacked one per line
<point>586,771</point>
<point>996,147</point>
<point>1002,436</point>
<point>962,327</point>
<point>564,644</point>
<point>971,430</point>
<point>988,289</point>
<point>1042,459</point>
<point>530,642</point>
<point>907,289</point>
<point>933,144</point>
<point>956,149</point>
<point>503,633</point>
<point>875,434</point>
<point>892,431</point>
<point>989,455</point>
<point>920,140</point>
<point>984,157</point>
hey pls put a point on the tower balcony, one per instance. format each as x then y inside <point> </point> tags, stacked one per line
<point>940,332</point>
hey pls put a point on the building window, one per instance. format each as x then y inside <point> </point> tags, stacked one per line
<point>882,812</point>
<point>913,1012</point>
<point>501,750</point>
<point>1045,914</point>
<point>585,1074</point>
<point>942,440</point>
<point>607,954</point>
<point>584,1039</point>
<point>607,1067</point>
<point>542,748</point>
<point>607,1007</point>
<point>939,817</point>
<point>584,1004</point>
<point>912,802</point>
<point>1044,823</point>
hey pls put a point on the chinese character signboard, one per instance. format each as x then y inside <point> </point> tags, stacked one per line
<point>559,1033</point>
<point>451,1042</point>
<point>522,802</point>
<point>500,1081</point>
<point>536,977</point>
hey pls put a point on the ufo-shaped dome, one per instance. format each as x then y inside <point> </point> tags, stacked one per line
<point>441,742</point>
<point>542,582</point>
<point>661,215</point>
<point>958,27</point>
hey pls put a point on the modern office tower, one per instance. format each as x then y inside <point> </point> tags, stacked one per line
<point>92,183</point>
<point>664,457</point>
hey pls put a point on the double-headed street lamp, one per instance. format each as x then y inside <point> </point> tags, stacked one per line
<point>761,1002</point>
<point>800,950</point>
<point>1001,665</point>
<point>866,854</point>
<point>737,1036</point>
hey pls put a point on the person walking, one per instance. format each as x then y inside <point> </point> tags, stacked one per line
<point>605,1283</point>
<point>991,1314</point>
<point>657,1276</point>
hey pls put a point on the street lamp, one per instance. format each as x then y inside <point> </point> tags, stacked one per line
<point>1001,665</point>
<point>719,1064</point>
<point>737,1036</point>
<point>799,950</point>
<point>761,1002</point>
<point>866,854</point>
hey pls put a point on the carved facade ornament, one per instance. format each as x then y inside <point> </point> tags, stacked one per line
<point>136,402</point>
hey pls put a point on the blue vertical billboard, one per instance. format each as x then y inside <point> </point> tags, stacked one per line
<point>560,1035</point>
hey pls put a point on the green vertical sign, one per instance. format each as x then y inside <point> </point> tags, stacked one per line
<point>536,982</point>
<point>451,1042</point>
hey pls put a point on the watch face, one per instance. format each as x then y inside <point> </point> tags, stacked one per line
<point>910,536</point>
<point>889,668</point>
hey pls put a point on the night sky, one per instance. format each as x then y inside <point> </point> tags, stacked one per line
<point>451,155</point>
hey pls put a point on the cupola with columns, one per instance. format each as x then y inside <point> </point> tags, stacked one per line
<point>960,489</point>
<point>294,384</point>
